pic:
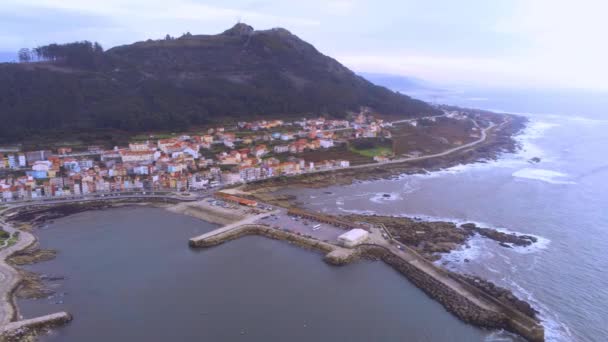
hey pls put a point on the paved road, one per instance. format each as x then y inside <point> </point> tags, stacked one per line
<point>8,275</point>
<point>416,119</point>
<point>484,133</point>
<point>104,196</point>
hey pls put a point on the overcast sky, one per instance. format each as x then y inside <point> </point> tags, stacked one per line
<point>540,43</point>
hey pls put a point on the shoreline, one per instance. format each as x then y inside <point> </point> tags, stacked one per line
<point>12,328</point>
<point>472,300</point>
<point>462,308</point>
<point>499,143</point>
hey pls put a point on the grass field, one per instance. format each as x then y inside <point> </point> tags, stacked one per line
<point>371,147</point>
<point>374,151</point>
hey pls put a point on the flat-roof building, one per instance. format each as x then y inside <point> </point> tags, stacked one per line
<point>353,237</point>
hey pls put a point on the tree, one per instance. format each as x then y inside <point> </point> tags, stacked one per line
<point>97,48</point>
<point>25,55</point>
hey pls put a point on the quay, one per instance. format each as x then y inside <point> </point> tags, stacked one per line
<point>467,302</point>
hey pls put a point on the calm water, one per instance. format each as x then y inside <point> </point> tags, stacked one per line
<point>131,277</point>
<point>563,200</point>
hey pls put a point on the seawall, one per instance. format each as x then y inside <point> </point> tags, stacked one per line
<point>17,331</point>
<point>466,306</point>
<point>459,305</point>
<point>335,255</point>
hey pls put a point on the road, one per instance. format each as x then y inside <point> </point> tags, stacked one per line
<point>8,275</point>
<point>194,196</point>
<point>484,134</point>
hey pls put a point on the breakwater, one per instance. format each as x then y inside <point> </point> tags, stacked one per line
<point>502,316</point>
<point>335,255</point>
<point>18,331</point>
<point>465,301</point>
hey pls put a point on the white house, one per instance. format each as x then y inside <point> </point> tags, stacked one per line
<point>281,149</point>
<point>22,160</point>
<point>326,143</point>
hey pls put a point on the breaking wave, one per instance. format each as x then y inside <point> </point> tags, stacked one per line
<point>548,176</point>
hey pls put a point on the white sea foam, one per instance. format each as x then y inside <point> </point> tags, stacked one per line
<point>555,330</point>
<point>357,212</point>
<point>535,130</point>
<point>541,243</point>
<point>548,176</point>
<point>475,249</point>
<point>380,197</point>
<point>586,120</point>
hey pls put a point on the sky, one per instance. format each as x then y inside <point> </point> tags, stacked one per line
<point>498,43</point>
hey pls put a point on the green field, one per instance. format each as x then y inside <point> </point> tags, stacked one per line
<point>371,147</point>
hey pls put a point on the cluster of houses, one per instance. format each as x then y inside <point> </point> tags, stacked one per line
<point>248,152</point>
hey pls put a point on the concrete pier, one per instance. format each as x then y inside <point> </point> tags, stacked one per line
<point>14,330</point>
<point>467,302</point>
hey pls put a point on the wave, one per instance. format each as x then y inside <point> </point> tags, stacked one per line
<point>474,249</point>
<point>548,176</point>
<point>555,329</point>
<point>381,197</point>
<point>535,130</point>
<point>357,212</point>
<point>586,120</point>
<point>541,243</point>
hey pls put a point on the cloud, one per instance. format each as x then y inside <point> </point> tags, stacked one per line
<point>114,22</point>
<point>157,9</point>
<point>433,68</point>
<point>339,7</point>
<point>503,42</point>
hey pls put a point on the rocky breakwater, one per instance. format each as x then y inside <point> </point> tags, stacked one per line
<point>497,315</point>
<point>500,293</point>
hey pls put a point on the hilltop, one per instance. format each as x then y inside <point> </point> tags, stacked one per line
<point>176,83</point>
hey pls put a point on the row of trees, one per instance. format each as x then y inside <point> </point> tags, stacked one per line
<point>78,54</point>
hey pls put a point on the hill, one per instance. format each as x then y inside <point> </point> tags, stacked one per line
<point>176,83</point>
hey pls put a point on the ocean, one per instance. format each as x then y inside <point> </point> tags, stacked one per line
<point>563,200</point>
<point>130,276</point>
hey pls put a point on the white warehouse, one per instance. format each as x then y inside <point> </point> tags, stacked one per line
<point>353,237</point>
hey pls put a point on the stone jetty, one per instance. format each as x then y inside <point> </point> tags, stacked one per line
<point>467,302</point>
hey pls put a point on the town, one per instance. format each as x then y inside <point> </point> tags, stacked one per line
<point>219,156</point>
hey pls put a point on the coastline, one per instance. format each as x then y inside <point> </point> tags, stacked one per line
<point>221,216</point>
<point>12,328</point>
<point>501,141</point>
<point>473,300</point>
<point>463,308</point>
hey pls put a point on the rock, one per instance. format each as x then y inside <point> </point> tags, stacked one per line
<point>506,245</point>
